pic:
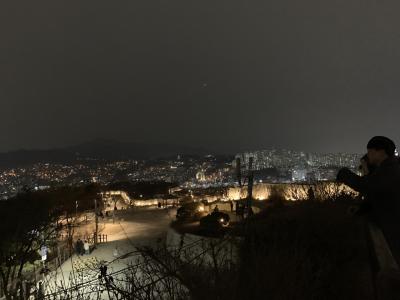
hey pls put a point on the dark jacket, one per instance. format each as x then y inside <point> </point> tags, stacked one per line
<point>381,190</point>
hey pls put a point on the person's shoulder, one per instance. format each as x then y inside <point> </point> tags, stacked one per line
<point>393,165</point>
<point>390,170</point>
<point>391,162</point>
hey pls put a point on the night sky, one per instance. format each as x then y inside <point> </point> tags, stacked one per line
<point>313,75</point>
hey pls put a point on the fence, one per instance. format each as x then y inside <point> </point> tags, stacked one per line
<point>101,238</point>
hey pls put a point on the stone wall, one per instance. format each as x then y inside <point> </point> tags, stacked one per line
<point>263,191</point>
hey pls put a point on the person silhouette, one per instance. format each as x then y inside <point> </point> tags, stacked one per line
<point>381,188</point>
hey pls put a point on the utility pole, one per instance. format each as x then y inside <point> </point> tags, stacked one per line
<point>238,171</point>
<point>97,222</point>
<point>250,187</point>
<point>115,206</point>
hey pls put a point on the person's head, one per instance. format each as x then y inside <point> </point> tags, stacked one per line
<point>365,166</point>
<point>380,148</point>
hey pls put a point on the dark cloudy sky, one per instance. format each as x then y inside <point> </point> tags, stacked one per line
<point>316,75</point>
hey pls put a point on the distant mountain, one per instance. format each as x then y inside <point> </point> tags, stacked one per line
<point>99,149</point>
<point>26,157</point>
<point>111,150</point>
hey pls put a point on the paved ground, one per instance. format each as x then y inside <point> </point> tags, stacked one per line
<point>131,228</point>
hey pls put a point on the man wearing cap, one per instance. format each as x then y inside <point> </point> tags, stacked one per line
<point>381,189</point>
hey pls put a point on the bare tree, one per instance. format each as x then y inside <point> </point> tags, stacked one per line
<point>22,240</point>
<point>196,270</point>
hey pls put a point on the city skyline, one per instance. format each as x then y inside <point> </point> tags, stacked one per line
<point>269,166</point>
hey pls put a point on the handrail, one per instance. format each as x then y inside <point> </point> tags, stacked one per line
<point>383,254</point>
<point>387,271</point>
